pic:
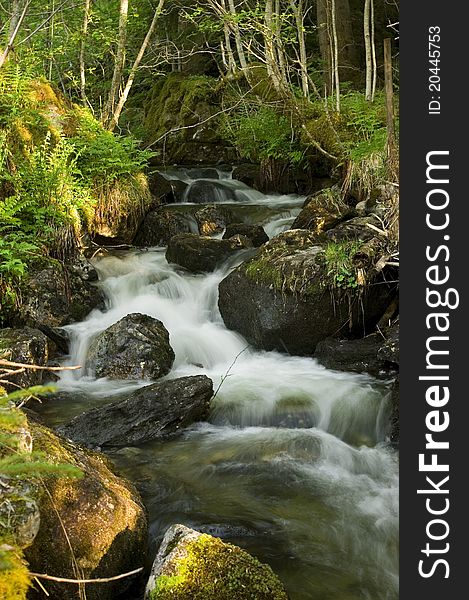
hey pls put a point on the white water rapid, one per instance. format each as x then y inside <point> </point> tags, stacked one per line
<point>293,464</point>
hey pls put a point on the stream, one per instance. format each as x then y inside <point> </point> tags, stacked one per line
<point>293,463</point>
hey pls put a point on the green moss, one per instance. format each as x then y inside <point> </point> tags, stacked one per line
<point>213,570</point>
<point>14,575</point>
<point>341,272</point>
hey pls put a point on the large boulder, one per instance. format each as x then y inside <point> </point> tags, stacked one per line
<point>136,347</point>
<point>90,527</point>
<point>254,233</point>
<point>158,411</point>
<point>27,346</point>
<point>213,219</point>
<point>200,254</point>
<point>159,226</point>
<point>322,211</point>
<point>286,297</point>
<point>359,228</point>
<point>55,294</point>
<point>196,566</point>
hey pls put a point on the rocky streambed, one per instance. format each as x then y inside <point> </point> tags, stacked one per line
<point>245,435</point>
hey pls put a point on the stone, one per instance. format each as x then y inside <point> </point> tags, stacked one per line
<point>158,411</point>
<point>55,295</point>
<point>136,347</point>
<point>359,356</point>
<point>28,346</point>
<point>389,350</point>
<point>280,299</point>
<point>322,211</point>
<point>94,526</point>
<point>212,219</point>
<point>355,229</point>
<point>254,233</point>
<point>193,566</point>
<point>200,254</point>
<point>159,226</point>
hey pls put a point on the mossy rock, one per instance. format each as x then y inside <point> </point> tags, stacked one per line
<point>27,346</point>
<point>323,211</point>
<point>14,575</point>
<point>287,297</point>
<point>94,526</point>
<point>196,566</point>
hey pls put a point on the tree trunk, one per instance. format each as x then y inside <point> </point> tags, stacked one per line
<point>349,63</point>
<point>18,16</point>
<point>271,57</point>
<point>238,40</point>
<point>84,32</point>
<point>298,12</point>
<point>335,61</point>
<point>368,58</point>
<point>118,64</point>
<point>133,72</point>
<point>373,51</point>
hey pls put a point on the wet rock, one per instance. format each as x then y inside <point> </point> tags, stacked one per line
<point>159,226</point>
<point>191,564</point>
<point>200,254</point>
<point>55,295</point>
<point>355,229</point>
<point>208,192</point>
<point>94,525</point>
<point>136,347</point>
<point>203,173</point>
<point>160,187</point>
<point>28,346</point>
<point>248,174</point>
<point>254,233</point>
<point>359,356</point>
<point>19,510</point>
<point>322,211</point>
<point>213,219</point>
<point>58,336</point>
<point>158,411</point>
<point>281,298</point>
<point>389,350</point>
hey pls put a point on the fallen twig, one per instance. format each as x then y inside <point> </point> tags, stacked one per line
<point>81,581</point>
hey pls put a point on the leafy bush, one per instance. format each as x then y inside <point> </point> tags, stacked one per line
<point>264,134</point>
<point>341,271</point>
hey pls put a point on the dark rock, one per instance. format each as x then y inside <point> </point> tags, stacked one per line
<point>323,211</point>
<point>359,356</point>
<point>97,519</point>
<point>203,173</point>
<point>58,336</point>
<point>56,295</point>
<point>213,219</point>
<point>159,226</point>
<point>28,346</point>
<point>136,347</point>
<point>198,564</point>
<point>158,411</point>
<point>254,233</point>
<point>210,191</point>
<point>355,229</point>
<point>200,254</point>
<point>248,174</point>
<point>179,189</point>
<point>389,351</point>
<point>160,187</point>
<point>281,298</point>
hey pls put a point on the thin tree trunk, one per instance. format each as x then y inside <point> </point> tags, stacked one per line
<point>298,12</point>
<point>237,35</point>
<point>231,62</point>
<point>368,58</point>
<point>373,51</point>
<point>84,33</point>
<point>118,64</point>
<point>15,25</point>
<point>133,72</point>
<point>336,56</point>
<point>271,57</point>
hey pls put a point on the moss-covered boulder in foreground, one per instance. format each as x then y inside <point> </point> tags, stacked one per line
<point>91,527</point>
<point>196,566</point>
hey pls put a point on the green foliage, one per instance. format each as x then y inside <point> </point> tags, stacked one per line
<point>264,133</point>
<point>101,154</point>
<point>213,570</point>
<point>341,272</point>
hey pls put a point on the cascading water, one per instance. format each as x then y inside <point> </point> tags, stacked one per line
<point>292,465</point>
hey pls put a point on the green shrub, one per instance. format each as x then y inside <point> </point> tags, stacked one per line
<point>341,272</point>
